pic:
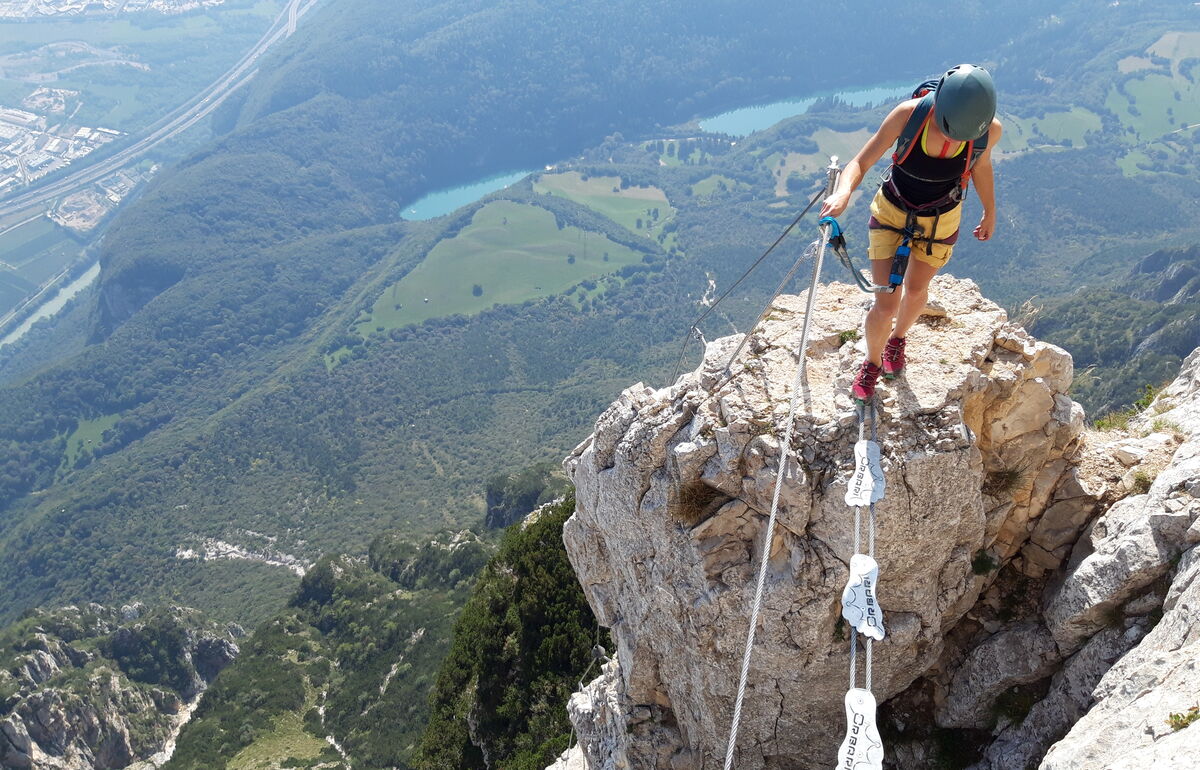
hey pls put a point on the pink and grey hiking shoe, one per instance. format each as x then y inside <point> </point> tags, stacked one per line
<point>863,388</point>
<point>893,357</point>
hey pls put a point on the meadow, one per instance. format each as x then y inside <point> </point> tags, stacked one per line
<point>631,207</point>
<point>31,254</point>
<point>510,253</point>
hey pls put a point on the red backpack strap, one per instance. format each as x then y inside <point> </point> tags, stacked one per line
<point>974,150</point>
<point>971,157</point>
<point>921,115</point>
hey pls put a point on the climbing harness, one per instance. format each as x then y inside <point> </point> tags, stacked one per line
<point>862,749</point>
<point>837,244</point>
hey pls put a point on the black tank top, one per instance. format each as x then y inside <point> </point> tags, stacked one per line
<point>923,180</point>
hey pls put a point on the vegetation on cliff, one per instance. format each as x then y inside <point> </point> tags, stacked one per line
<point>352,657</point>
<point>520,646</point>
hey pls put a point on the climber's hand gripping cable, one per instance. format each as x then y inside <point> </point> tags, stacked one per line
<point>833,233</point>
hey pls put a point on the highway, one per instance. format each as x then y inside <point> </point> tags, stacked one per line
<point>179,120</point>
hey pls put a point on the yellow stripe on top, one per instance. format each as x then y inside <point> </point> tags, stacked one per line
<point>947,150</point>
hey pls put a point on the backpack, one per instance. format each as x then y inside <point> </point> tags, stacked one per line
<point>921,115</point>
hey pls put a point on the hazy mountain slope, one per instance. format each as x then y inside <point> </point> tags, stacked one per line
<point>100,687</point>
<point>1133,335</point>
<point>212,400</point>
<point>205,312</point>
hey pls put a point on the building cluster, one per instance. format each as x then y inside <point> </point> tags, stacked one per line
<point>83,210</point>
<point>41,9</point>
<point>30,147</point>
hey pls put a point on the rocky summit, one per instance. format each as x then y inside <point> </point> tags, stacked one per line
<point>1020,555</point>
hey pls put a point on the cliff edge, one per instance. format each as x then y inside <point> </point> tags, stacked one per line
<point>980,444</point>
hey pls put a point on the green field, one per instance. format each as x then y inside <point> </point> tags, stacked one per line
<point>38,250</point>
<point>30,255</point>
<point>1072,125</point>
<point>1158,103</point>
<point>119,96</point>
<point>143,30</point>
<point>13,289</point>
<point>1129,164</point>
<point>1055,127</point>
<point>288,740</point>
<point>626,206</point>
<point>844,144</point>
<point>513,252</point>
<point>88,434</point>
<point>709,185</point>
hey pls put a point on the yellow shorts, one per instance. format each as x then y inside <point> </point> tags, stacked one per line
<point>883,243</point>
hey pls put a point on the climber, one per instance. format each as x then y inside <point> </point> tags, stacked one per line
<point>943,135</point>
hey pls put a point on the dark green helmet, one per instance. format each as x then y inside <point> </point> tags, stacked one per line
<point>965,102</point>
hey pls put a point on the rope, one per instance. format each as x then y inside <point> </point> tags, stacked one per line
<point>784,451</point>
<point>735,284</point>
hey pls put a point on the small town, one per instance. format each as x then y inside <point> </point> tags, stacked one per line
<point>33,145</point>
<point>42,9</point>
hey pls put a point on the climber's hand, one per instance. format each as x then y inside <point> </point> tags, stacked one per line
<point>835,204</point>
<point>986,226</point>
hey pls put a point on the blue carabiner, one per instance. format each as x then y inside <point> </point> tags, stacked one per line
<point>835,230</point>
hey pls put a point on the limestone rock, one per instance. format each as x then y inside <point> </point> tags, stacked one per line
<point>1128,725</point>
<point>1115,571</point>
<point>673,492</point>
<point>1022,745</point>
<point>1018,655</point>
<point>571,759</point>
<point>1126,549</point>
<point>74,709</point>
<point>1178,404</point>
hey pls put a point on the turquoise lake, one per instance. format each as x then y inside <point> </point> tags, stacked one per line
<point>444,201</point>
<point>739,122</point>
<point>747,120</point>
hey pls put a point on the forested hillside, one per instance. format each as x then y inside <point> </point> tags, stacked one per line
<point>103,687</point>
<point>352,657</point>
<point>208,406</point>
<point>351,672</point>
<point>1133,335</point>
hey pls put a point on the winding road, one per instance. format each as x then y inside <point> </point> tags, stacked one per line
<point>177,121</point>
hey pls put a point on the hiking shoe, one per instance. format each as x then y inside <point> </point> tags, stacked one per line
<point>863,388</point>
<point>893,357</point>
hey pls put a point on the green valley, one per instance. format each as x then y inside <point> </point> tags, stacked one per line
<point>509,253</point>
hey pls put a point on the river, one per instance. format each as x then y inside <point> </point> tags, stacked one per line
<point>64,295</point>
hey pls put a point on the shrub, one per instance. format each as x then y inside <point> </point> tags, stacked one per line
<point>1182,720</point>
<point>982,563</point>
